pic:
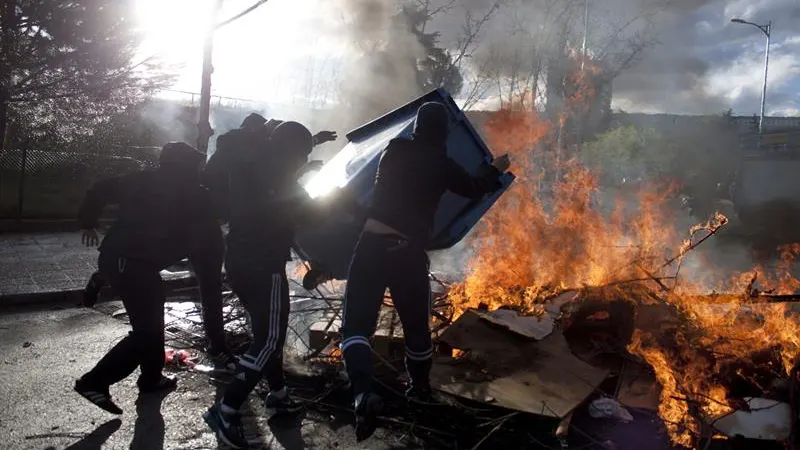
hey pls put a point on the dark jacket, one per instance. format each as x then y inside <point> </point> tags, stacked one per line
<point>157,211</point>
<point>257,194</point>
<point>412,177</point>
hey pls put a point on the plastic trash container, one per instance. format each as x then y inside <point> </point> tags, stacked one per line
<point>330,244</point>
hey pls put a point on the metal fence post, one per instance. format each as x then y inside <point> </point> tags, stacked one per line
<point>21,187</point>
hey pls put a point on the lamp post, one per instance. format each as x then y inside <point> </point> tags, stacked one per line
<point>766,29</point>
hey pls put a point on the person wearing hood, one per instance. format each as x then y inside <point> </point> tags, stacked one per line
<point>412,176</point>
<point>264,205</point>
<point>252,134</point>
<point>160,212</point>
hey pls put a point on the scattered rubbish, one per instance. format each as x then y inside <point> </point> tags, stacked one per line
<point>766,420</point>
<point>638,388</point>
<point>608,408</point>
<point>540,377</point>
<point>203,368</point>
<point>179,358</point>
<point>529,326</point>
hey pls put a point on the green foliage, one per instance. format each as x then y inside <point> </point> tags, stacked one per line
<point>700,154</point>
<point>66,66</point>
<point>436,69</point>
<point>630,153</point>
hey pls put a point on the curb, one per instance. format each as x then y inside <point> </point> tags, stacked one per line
<point>43,225</point>
<point>40,298</point>
<point>75,296</point>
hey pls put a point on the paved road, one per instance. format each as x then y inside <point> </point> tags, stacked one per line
<point>44,351</point>
<point>44,262</point>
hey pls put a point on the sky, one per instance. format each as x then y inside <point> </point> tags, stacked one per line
<point>285,50</point>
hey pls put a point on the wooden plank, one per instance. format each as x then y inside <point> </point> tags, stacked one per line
<point>387,340</point>
<point>539,377</point>
<point>638,388</point>
<point>528,326</point>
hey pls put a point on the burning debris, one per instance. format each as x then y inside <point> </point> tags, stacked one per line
<point>566,295</point>
<point>711,355</point>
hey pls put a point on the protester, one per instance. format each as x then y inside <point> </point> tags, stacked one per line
<point>412,176</point>
<point>205,250</point>
<point>159,211</point>
<point>254,181</point>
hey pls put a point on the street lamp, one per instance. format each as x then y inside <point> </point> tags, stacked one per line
<point>766,29</point>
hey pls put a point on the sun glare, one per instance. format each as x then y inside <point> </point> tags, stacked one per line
<point>173,28</point>
<point>260,56</point>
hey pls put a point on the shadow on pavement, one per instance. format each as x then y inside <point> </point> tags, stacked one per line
<point>95,439</point>
<point>287,430</point>
<point>149,430</point>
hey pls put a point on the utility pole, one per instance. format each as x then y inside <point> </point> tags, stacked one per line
<point>204,130</point>
<point>583,110</point>
<point>585,32</point>
<point>767,30</point>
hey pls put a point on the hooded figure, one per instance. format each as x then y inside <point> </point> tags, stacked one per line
<point>412,176</point>
<point>160,211</point>
<point>266,204</point>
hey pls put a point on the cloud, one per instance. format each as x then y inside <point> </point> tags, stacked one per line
<point>705,64</point>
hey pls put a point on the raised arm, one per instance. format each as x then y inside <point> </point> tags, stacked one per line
<point>462,183</point>
<point>101,194</point>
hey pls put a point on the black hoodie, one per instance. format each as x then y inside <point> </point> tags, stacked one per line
<point>255,190</point>
<point>158,209</point>
<point>413,174</point>
<point>412,177</point>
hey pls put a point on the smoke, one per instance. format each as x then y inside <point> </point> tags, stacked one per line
<point>672,56</point>
<point>380,70</point>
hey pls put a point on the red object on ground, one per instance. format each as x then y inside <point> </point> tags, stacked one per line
<point>178,358</point>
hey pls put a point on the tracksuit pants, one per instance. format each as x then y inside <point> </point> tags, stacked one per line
<point>207,267</point>
<point>382,262</point>
<point>138,283</point>
<point>262,287</point>
<point>208,271</point>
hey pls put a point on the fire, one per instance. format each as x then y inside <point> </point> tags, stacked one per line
<point>550,233</point>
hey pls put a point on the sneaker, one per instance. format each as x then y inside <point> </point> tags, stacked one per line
<point>281,405</point>
<point>227,427</point>
<point>166,383</point>
<point>224,362</point>
<point>97,395</point>
<point>367,406</point>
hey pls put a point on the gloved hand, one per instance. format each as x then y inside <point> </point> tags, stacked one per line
<point>325,136</point>
<point>502,163</point>
<point>90,238</point>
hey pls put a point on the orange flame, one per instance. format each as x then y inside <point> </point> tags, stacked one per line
<point>549,233</point>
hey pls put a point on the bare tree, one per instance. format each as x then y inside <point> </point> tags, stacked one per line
<point>543,40</point>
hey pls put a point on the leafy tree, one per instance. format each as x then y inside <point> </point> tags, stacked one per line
<point>437,68</point>
<point>630,153</point>
<point>65,65</point>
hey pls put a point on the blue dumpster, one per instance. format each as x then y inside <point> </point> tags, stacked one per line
<point>330,244</point>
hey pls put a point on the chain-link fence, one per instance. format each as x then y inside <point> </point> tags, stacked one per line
<point>44,184</point>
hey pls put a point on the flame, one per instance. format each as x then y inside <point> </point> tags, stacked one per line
<point>548,234</point>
